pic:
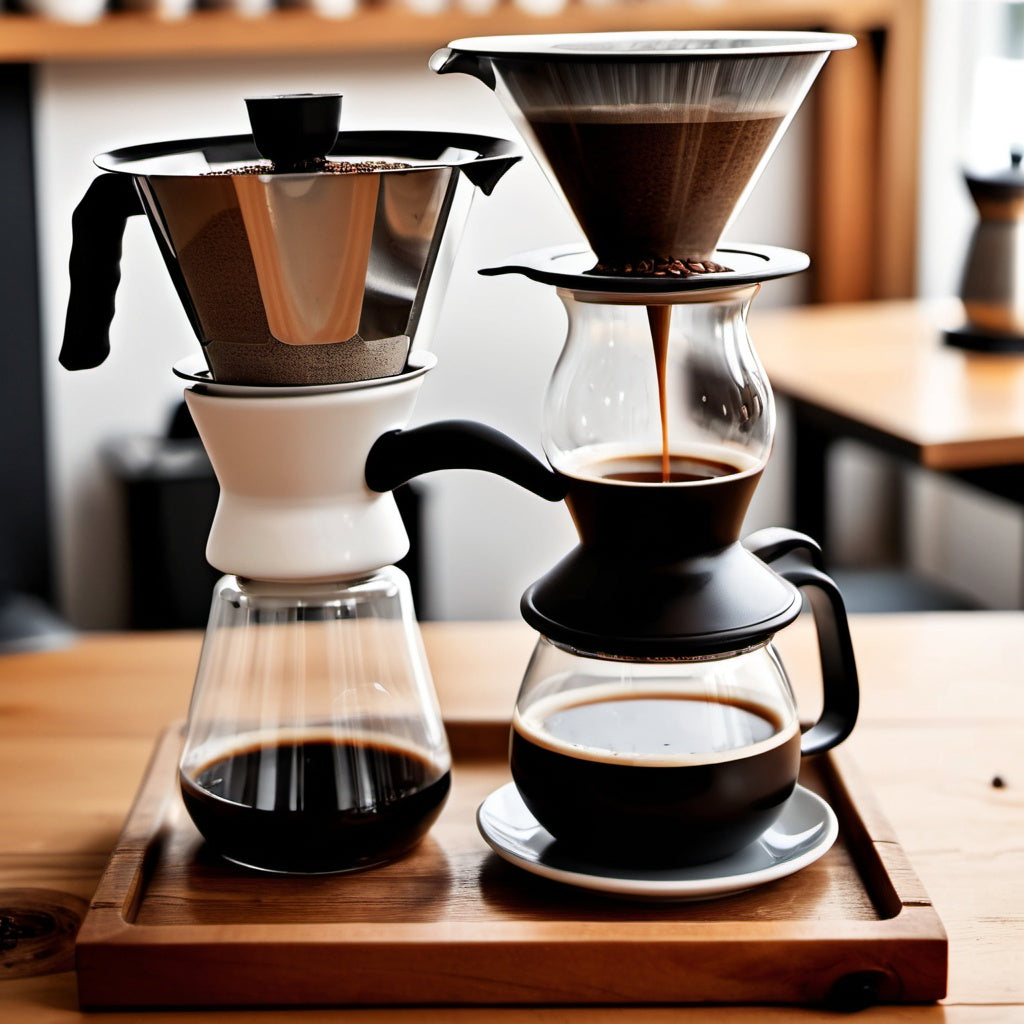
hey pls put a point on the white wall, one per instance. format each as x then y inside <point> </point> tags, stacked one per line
<point>496,345</point>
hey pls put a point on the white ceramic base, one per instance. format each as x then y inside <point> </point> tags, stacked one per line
<point>291,463</point>
<point>804,832</point>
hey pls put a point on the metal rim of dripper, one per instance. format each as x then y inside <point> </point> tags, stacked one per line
<point>428,149</point>
<point>593,46</point>
<point>194,370</point>
<point>568,266</point>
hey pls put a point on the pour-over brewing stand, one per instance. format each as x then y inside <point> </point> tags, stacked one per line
<point>304,260</point>
<point>658,418</point>
<point>660,573</point>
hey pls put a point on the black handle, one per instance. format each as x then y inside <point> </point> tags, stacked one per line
<point>838,665</point>
<point>775,542</point>
<point>97,228</point>
<point>400,455</point>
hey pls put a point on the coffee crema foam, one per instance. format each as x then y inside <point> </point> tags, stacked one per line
<point>690,728</point>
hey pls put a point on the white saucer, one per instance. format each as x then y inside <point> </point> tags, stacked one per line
<point>805,830</point>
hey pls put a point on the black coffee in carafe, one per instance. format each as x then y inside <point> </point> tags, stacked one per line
<point>314,742</point>
<point>317,803</point>
<point>625,775</point>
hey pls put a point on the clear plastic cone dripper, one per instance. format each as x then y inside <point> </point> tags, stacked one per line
<point>654,140</point>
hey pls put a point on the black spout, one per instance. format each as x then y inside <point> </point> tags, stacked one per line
<point>400,455</point>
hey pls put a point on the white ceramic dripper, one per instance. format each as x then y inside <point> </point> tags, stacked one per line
<point>294,504</point>
<point>314,740</point>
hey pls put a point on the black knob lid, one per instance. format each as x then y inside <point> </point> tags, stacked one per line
<point>295,132</point>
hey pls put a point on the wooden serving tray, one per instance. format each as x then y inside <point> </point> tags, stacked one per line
<point>172,925</point>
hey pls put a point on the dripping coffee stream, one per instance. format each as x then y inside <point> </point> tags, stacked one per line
<point>674,468</point>
<point>660,318</point>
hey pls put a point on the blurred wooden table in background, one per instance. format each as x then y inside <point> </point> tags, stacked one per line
<point>879,373</point>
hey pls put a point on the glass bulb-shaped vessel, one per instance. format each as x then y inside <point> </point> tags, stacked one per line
<point>660,762</point>
<point>314,741</point>
<point>666,389</point>
<point>661,419</point>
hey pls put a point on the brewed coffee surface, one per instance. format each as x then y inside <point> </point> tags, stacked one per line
<point>315,805</point>
<point>653,777</point>
<point>650,727</point>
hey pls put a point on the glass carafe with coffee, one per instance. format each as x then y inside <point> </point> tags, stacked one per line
<point>305,260</point>
<point>655,724</point>
<point>655,727</point>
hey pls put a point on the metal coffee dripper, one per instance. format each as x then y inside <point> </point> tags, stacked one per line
<point>301,255</point>
<point>310,264</point>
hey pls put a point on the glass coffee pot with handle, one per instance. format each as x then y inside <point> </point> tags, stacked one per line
<point>656,724</point>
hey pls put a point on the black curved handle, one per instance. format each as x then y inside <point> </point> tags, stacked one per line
<point>95,266</point>
<point>400,455</point>
<point>838,664</point>
<point>803,569</point>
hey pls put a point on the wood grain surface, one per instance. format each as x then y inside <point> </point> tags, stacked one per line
<point>460,925</point>
<point>943,716</point>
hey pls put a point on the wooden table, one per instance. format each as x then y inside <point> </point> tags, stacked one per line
<point>943,717</point>
<point>879,373</point>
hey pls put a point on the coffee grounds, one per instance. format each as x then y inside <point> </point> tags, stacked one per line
<point>221,277</point>
<point>275,363</point>
<point>663,267</point>
<point>319,166</point>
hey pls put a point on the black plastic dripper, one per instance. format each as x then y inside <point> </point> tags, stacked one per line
<point>614,606</point>
<point>295,132</point>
